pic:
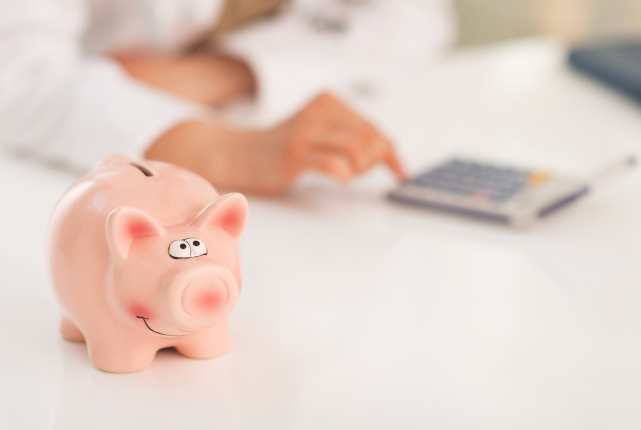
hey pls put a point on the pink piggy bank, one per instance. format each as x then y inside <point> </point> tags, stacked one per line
<point>144,257</point>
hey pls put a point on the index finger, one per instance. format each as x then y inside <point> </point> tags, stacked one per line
<point>394,163</point>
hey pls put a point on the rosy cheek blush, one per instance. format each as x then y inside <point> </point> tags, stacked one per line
<point>140,310</point>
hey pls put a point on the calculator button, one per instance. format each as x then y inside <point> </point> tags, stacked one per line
<point>538,178</point>
<point>482,183</point>
<point>482,195</point>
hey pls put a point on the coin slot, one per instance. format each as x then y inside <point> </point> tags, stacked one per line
<point>143,169</point>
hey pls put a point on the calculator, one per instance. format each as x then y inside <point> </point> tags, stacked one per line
<point>503,194</point>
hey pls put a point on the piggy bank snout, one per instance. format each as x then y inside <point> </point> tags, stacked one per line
<point>202,297</point>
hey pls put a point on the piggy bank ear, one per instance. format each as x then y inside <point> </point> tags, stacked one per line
<point>124,224</point>
<point>228,212</point>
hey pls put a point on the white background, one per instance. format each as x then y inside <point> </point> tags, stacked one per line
<point>358,313</point>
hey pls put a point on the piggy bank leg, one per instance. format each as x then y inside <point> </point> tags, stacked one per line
<point>209,343</point>
<point>123,356</point>
<point>70,331</point>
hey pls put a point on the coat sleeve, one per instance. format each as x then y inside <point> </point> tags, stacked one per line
<point>314,46</point>
<point>59,104</point>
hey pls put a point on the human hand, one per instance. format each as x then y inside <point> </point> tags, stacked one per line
<point>325,136</point>
<point>329,137</point>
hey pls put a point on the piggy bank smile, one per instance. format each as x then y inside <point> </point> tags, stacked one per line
<point>187,333</point>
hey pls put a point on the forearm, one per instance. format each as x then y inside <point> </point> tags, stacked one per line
<point>211,150</point>
<point>189,145</point>
<point>237,160</point>
<point>208,80</point>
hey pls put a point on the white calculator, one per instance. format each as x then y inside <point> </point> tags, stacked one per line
<point>505,194</point>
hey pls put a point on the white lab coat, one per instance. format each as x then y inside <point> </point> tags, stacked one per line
<point>63,99</point>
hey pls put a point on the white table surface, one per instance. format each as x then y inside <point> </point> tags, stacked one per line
<point>358,313</point>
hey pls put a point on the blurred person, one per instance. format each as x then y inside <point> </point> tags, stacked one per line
<point>80,79</point>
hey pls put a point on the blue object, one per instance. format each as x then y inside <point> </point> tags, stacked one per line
<point>617,64</point>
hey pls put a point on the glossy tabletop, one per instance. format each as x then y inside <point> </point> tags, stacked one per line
<point>359,313</point>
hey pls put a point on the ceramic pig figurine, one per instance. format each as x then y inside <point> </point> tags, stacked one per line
<point>144,257</point>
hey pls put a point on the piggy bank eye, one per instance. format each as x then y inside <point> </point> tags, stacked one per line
<point>197,247</point>
<point>179,249</point>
